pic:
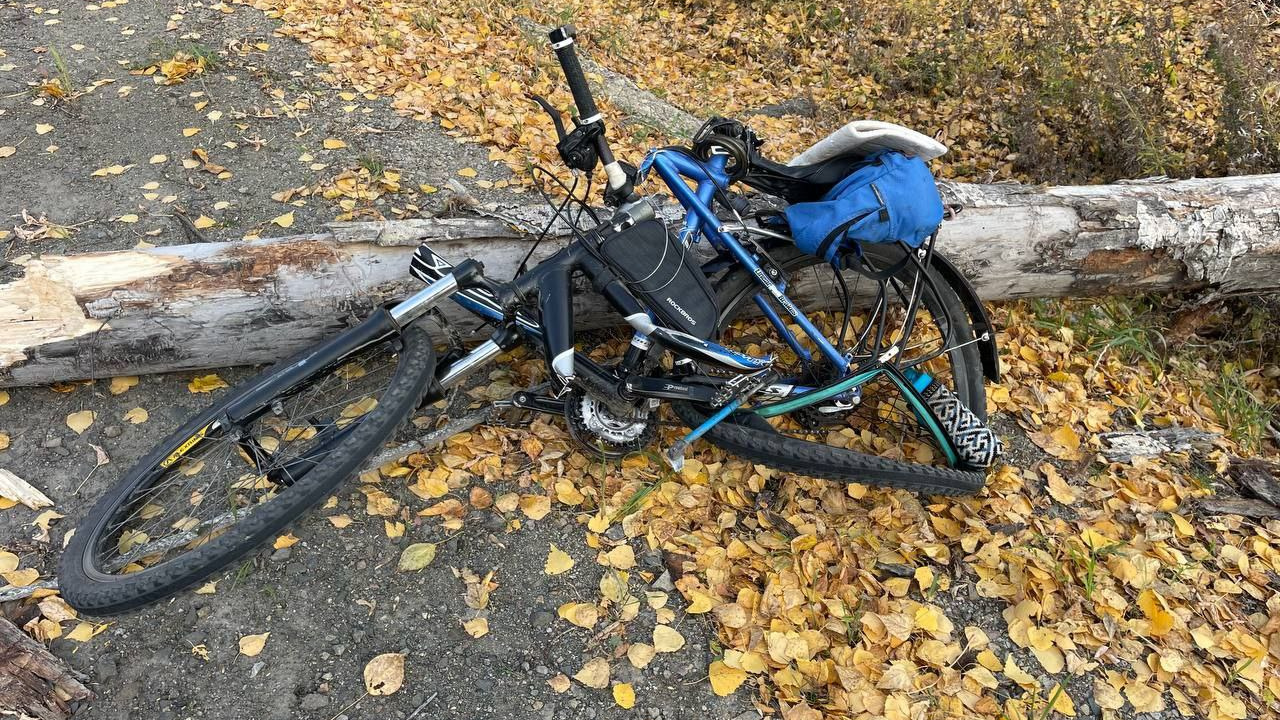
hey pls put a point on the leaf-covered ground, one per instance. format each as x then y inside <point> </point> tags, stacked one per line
<point>1047,92</point>
<point>1072,585</point>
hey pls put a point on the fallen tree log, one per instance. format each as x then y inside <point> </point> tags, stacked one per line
<point>34,683</point>
<point>219,304</point>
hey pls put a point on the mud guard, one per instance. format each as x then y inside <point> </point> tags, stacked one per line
<point>978,317</point>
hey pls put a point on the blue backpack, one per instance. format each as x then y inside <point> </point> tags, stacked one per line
<point>890,197</point>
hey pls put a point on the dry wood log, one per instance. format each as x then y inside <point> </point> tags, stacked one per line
<point>233,303</point>
<point>34,683</point>
<point>15,488</point>
<point>1123,447</point>
<point>1244,507</point>
<point>1258,478</point>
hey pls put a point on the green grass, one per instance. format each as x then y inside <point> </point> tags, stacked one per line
<point>1123,327</point>
<point>162,51</point>
<point>202,52</point>
<point>242,572</point>
<point>423,21</point>
<point>64,74</point>
<point>1240,411</point>
<point>1044,715</point>
<point>373,164</point>
<point>1086,559</point>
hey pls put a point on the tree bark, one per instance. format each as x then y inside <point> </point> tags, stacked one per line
<point>34,683</point>
<point>235,303</point>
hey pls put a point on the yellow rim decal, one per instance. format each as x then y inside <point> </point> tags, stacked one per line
<point>184,447</point>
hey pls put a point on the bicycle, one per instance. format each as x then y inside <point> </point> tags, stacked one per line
<point>891,395</point>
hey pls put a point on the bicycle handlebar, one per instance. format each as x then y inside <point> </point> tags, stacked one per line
<point>621,187</point>
<point>562,43</point>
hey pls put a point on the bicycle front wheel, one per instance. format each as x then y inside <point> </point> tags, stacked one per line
<point>875,438</point>
<point>216,489</point>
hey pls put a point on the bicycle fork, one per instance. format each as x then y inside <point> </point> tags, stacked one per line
<point>466,274</point>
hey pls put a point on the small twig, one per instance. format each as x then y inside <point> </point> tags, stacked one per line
<point>189,227</point>
<point>348,707</point>
<point>434,438</point>
<point>423,706</point>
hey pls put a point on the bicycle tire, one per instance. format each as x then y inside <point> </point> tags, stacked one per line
<point>90,590</point>
<point>749,439</point>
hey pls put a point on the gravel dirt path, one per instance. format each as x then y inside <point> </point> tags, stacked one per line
<point>334,600</point>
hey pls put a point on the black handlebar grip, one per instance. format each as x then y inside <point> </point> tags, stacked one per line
<point>562,43</point>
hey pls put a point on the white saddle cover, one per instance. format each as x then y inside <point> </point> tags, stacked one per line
<point>867,136</point>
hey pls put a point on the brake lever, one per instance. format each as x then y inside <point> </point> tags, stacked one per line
<point>554,113</point>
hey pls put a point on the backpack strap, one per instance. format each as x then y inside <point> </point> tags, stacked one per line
<point>837,235</point>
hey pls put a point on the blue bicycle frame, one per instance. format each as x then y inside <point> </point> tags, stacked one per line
<point>672,167</point>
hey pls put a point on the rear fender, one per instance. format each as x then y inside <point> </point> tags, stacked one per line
<point>983,329</point>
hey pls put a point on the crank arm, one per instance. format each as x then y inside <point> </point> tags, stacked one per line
<point>529,400</point>
<point>664,389</point>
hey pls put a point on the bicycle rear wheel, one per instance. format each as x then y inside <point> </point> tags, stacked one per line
<point>878,438</point>
<point>214,490</point>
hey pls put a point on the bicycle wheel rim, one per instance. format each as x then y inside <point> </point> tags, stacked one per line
<point>110,527</point>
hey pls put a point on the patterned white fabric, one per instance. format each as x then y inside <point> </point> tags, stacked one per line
<point>976,444</point>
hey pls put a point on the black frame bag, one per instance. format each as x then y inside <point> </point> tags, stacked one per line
<point>665,276</point>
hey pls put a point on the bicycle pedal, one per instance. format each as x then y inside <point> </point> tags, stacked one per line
<point>743,386</point>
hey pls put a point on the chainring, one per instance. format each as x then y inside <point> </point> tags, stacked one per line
<point>599,431</point>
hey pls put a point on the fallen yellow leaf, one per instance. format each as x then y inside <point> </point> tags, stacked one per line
<point>558,561</point>
<point>535,507</point>
<point>84,631</point>
<point>384,674</point>
<point>206,384</point>
<point>80,421</point>
<point>640,654</point>
<point>594,674</point>
<point>477,627</point>
<point>121,384</point>
<point>21,578</point>
<point>584,615</point>
<point>416,556</point>
<point>251,645</point>
<point>560,683</point>
<point>667,639</point>
<point>724,679</point>
<point>624,695</point>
